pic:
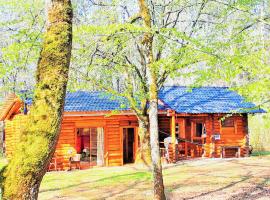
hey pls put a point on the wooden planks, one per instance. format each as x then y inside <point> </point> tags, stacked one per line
<point>164,124</point>
<point>230,136</point>
<point>114,144</point>
<point>13,129</point>
<point>66,146</point>
<point>10,108</point>
<point>113,126</point>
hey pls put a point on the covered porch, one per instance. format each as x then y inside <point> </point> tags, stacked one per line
<point>186,135</point>
<point>199,135</point>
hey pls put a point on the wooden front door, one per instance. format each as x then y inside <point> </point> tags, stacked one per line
<point>128,145</point>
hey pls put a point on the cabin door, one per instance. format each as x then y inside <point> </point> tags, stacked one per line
<point>128,145</point>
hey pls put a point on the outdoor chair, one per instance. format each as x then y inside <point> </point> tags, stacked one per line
<point>75,160</point>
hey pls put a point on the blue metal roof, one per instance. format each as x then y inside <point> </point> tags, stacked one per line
<point>94,101</point>
<point>178,98</point>
<point>83,101</point>
<point>206,100</point>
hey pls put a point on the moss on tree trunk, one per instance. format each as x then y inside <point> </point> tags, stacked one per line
<point>143,155</point>
<point>24,173</point>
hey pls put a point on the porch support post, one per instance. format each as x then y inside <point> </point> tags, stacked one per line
<point>173,125</point>
<point>173,128</point>
<point>245,122</point>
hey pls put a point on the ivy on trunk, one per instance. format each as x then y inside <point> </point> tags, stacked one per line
<point>37,144</point>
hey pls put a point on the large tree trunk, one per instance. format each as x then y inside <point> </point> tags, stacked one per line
<point>29,163</point>
<point>143,155</point>
<point>153,109</point>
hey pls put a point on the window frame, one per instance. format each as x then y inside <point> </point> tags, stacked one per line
<point>196,123</point>
<point>228,122</point>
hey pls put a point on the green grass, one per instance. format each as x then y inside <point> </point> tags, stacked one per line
<point>206,178</point>
<point>95,177</point>
<point>261,153</point>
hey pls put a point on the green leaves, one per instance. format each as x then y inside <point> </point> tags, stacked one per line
<point>22,30</point>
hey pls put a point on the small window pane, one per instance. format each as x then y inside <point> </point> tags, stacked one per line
<point>177,130</point>
<point>227,122</point>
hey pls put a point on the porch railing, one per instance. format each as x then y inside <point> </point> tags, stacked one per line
<point>183,150</point>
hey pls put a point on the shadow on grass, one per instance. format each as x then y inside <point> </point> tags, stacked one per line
<point>259,191</point>
<point>114,194</point>
<point>248,165</point>
<point>245,178</point>
<point>112,179</point>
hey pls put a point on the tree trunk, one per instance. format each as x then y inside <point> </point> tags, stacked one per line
<point>154,141</point>
<point>33,153</point>
<point>144,152</point>
<point>153,109</point>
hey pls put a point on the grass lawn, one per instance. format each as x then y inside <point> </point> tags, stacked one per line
<point>244,178</point>
<point>261,153</point>
<point>3,162</point>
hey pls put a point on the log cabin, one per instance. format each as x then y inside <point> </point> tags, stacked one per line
<point>100,130</point>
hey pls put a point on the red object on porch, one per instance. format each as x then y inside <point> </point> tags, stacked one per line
<point>78,144</point>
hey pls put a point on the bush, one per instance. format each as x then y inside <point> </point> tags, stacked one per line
<point>259,131</point>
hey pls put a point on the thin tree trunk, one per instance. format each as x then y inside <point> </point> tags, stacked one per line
<point>153,109</point>
<point>154,141</point>
<point>144,152</point>
<point>23,175</point>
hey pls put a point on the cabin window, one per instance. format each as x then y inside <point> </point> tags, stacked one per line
<point>90,145</point>
<point>177,130</point>
<point>227,122</point>
<point>87,144</point>
<point>199,130</point>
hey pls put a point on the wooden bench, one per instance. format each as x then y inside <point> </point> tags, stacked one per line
<point>223,151</point>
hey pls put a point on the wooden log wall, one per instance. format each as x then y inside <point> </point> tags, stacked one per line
<point>164,123</point>
<point>66,145</point>
<point>8,103</point>
<point>113,144</point>
<point>113,126</point>
<point>230,136</point>
<point>188,128</point>
<point>212,125</point>
<point>13,129</point>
